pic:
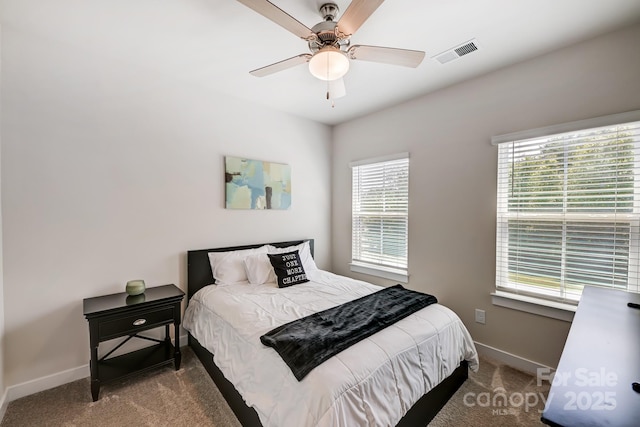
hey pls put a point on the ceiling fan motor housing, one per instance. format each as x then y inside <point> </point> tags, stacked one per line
<point>326,33</point>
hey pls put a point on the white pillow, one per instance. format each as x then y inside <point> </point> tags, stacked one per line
<point>304,250</point>
<point>228,267</point>
<point>259,269</point>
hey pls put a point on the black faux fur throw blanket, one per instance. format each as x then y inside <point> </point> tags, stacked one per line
<point>305,343</point>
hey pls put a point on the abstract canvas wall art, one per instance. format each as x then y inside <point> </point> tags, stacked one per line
<point>255,184</point>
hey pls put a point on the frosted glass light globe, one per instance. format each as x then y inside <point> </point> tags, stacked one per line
<point>329,64</point>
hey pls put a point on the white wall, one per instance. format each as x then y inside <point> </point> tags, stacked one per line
<point>111,173</point>
<point>453,173</point>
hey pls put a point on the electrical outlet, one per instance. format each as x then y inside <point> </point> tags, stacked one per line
<point>480,316</point>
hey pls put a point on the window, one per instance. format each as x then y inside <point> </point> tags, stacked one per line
<point>380,216</point>
<point>568,209</point>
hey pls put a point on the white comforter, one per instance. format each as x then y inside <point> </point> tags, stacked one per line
<point>372,383</point>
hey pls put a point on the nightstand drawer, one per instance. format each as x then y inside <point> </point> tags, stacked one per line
<point>136,322</point>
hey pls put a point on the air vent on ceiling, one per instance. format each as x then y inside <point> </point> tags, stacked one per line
<point>456,52</point>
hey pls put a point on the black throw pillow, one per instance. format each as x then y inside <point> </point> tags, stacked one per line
<point>288,268</point>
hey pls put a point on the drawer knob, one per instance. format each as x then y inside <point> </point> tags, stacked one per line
<point>139,322</point>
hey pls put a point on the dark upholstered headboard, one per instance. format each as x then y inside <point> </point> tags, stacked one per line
<point>199,269</point>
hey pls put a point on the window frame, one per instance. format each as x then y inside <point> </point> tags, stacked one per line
<point>536,302</point>
<point>390,272</point>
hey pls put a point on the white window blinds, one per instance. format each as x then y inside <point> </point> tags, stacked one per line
<point>380,213</point>
<point>568,212</point>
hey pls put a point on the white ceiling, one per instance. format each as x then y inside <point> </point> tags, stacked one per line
<point>213,44</point>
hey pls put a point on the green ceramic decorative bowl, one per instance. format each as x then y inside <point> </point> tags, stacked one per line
<point>135,287</point>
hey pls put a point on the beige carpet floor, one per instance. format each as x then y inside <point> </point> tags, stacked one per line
<point>188,397</point>
<point>496,396</point>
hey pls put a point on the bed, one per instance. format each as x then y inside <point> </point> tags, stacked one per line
<point>356,387</point>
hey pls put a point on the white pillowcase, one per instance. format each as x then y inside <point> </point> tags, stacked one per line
<point>259,269</point>
<point>228,267</point>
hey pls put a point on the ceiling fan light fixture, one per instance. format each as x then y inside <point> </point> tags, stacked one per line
<point>329,63</point>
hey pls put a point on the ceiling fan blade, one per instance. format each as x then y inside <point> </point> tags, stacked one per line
<point>280,17</point>
<point>355,15</point>
<point>282,65</point>
<point>336,89</point>
<point>387,55</point>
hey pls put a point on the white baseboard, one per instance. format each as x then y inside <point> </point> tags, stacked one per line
<point>50,381</point>
<point>44,383</point>
<point>509,359</point>
<point>4,402</point>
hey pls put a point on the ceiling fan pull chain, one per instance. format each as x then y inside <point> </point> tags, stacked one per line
<point>333,102</point>
<point>328,85</point>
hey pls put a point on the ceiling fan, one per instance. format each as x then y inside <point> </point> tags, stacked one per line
<point>329,43</point>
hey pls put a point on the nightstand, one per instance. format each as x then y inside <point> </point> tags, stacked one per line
<point>119,315</point>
